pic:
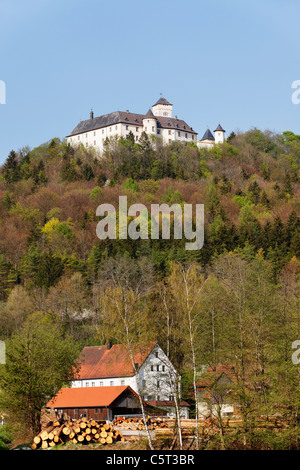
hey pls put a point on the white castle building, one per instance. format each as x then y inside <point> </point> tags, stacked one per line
<point>158,122</point>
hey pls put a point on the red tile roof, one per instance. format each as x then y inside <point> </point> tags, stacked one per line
<point>87,397</point>
<point>101,362</point>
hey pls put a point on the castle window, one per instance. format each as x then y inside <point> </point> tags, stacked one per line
<point>157,368</point>
<point>157,384</point>
<point>163,368</point>
<point>151,368</point>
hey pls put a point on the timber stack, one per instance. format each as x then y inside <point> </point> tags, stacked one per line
<point>137,424</point>
<point>82,431</point>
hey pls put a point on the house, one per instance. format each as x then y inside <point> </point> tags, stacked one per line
<point>158,122</point>
<point>100,403</point>
<point>154,377</point>
<point>214,389</point>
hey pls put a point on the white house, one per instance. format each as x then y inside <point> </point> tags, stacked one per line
<point>158,122</point>
<point>156,379</point>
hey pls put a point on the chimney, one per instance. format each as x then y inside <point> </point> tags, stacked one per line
<point>91,114</point>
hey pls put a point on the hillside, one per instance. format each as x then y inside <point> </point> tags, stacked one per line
<point>244,282</point>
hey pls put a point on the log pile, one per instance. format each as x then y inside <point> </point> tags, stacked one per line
<point>82,431</point>
<point>137,424</point>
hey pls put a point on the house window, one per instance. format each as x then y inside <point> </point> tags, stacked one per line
<point>193,137</point>
<point>152,128</point>
<point>116,127</point>
<point>94,142</point>
<point>126,128</point>
<point>78,137</point>
<point>170,141</point>
<point>122,382</point>
<point>110,129</point>
<point>96,411</point>
<point>186,136</point>
<point>102,131</point>
<point>171,398</point>
<point>86,135</point>
<point>137,129</point>
<point>101,384</point>
<point>86,384</point>
<point>94,132</point>
<point>156,354</point>
<point>178,133</point>
<point>136,137</point>
<point>163,368</point>
<point>111,383</point>
<point>157,368</point>
<point>93,384</point>
<point>76,411</point>
<point>158,131</point>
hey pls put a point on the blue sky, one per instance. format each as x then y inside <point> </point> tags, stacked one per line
<point>227,61</point>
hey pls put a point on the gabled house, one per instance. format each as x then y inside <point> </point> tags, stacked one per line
<point>100,403</point>
<point>111,365</point>
<point>214,391</point>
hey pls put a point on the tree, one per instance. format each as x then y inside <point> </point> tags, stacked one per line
<point>39,360</point>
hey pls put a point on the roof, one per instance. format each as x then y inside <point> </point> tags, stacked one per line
<point>162,100</point>
<point>208,135</point>
<point>149,115</point>
<point>219,128</point>
<point>107,120</point>
<point>101,362</point>
<point>163,403</point>
<point>173,123</point>
<point>128,118</point>
<point>211,375</point>
<point>86,397</point>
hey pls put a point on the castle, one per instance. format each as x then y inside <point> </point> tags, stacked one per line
<point>158,122</point>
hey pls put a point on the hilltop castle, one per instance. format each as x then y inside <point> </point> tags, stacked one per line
<point>158,121</point>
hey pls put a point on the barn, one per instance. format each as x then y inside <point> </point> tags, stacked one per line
<point>99,403</point>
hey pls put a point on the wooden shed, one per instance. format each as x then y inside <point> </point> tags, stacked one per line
<point>100,403</point>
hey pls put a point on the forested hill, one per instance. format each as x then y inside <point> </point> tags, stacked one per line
<point>249,185</point>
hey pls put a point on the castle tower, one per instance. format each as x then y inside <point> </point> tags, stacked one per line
<point>150,123</point>
<point>162,108</point>
<point>219,135</point>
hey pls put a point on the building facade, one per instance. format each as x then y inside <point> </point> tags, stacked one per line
<point>158,122</point>
<point>108,366</point>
